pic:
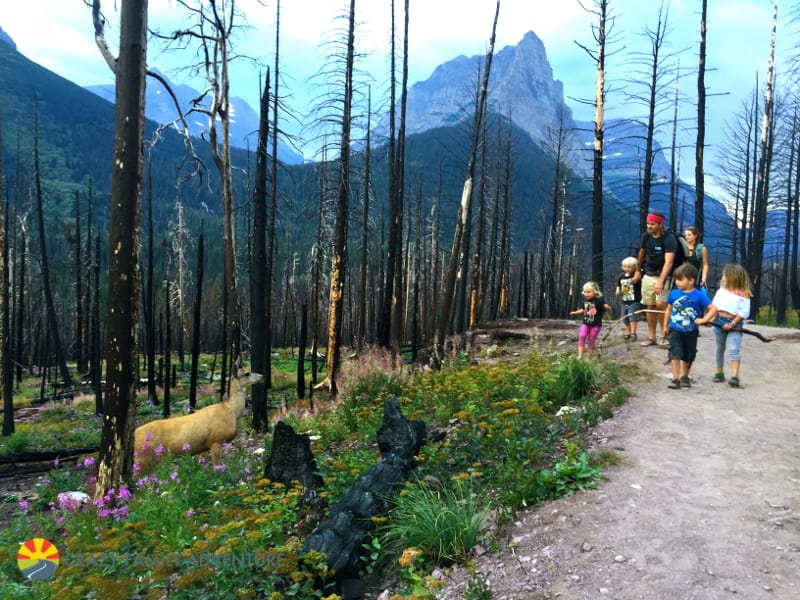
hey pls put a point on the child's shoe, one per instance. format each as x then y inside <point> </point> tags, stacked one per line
<point>733,382</point>
<point>675,384</point>
<point>686,381</point>
<point>718,378</point>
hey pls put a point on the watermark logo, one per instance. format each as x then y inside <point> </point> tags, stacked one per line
<point>38,559</point>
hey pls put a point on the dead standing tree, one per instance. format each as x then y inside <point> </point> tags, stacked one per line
<point>116,443</point>
<point>339,259</point>
<point>601,34</point>
<point>214,24</point>
<point>448,293</point>
<point>756,252</point>
<point>699,173</point>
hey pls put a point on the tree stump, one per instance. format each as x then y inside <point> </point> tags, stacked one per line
<point>341,535</point>
<point>291,459</point>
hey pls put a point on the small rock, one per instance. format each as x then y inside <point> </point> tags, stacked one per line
<point>636,486</point>
<point>586,547</point>
<point>619,558</point>
<point>604,591</point>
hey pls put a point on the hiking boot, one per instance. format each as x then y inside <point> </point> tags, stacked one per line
<point>675,384</point>
<point>686,381</point>
<point>718,378</point>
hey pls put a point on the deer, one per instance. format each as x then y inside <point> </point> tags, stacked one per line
<point>198,432</point>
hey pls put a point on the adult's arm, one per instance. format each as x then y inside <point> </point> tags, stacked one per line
<point>704,266</point>
<point>637,276</point>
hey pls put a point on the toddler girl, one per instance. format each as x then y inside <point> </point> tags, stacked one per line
<point>592,311</point>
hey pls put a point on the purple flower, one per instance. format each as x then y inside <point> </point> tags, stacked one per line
<point>174,476</point>
<point>56,463</point>
<point>159,450</point>
<point>88,462</point>
<point>25,505</point>
<point>186,448</point>
<point>219,468</point>
<point>190,513</point>
<point>124,493</point>
<point>148,437</point>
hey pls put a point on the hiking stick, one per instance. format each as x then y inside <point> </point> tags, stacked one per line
<point>616,322</point>
<point>752,332</point>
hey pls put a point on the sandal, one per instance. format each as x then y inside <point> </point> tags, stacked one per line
<point>649,342</point>
<point>733,382</point>
<point>664,342</point>
<point>718,378</point>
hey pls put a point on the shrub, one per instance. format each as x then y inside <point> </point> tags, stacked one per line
<point>444,522</point>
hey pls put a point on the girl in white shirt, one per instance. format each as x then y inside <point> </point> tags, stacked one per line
<point>729,309</point>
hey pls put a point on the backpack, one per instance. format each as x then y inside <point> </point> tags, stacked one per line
<point>682,252</point>
<point>694,258</point>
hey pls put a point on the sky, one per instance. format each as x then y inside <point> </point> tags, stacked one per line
<point>58,34</point>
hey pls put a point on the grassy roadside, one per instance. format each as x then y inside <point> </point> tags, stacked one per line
<point>503,435</point>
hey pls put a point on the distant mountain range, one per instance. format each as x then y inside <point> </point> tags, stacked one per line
<point>524,90</point>
<point>160,107</point>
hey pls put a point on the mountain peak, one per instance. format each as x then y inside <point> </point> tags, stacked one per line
<point>521,84</point>
<point>4,37</point>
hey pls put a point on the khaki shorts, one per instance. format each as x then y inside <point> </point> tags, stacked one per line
<point>649,297</point>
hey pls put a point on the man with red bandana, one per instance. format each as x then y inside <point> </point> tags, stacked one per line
<point>656,259</point>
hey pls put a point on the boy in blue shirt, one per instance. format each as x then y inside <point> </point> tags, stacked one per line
<point>685,303</point>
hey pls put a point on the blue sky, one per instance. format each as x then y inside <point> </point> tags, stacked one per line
<point>58,34</point>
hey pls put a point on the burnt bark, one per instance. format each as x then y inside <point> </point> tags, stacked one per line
<point>341,535</point>
<point>291,459</point>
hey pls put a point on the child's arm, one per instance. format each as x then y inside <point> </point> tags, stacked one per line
<point>575,313</point>
<point>667,313</point>
<point>711,312</point>
<point>618,291</point>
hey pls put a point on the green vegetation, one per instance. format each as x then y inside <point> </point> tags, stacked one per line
<point>501,437</point>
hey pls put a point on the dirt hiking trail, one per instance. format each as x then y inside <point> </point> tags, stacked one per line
<point>705,504</point>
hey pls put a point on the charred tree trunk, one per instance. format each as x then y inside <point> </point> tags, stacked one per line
<point>52,320</point>
<point>258,268</point>
<point>149,305</point>
<point>116,444</point>
<point>339,259</point>
<point>291,459</point>
<point>448,294</point>
<point>341,535</point>
<point>196,315</point>
<point>699,172</point>
<point>5,309</point>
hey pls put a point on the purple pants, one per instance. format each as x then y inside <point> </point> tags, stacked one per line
<point>587,335</point>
